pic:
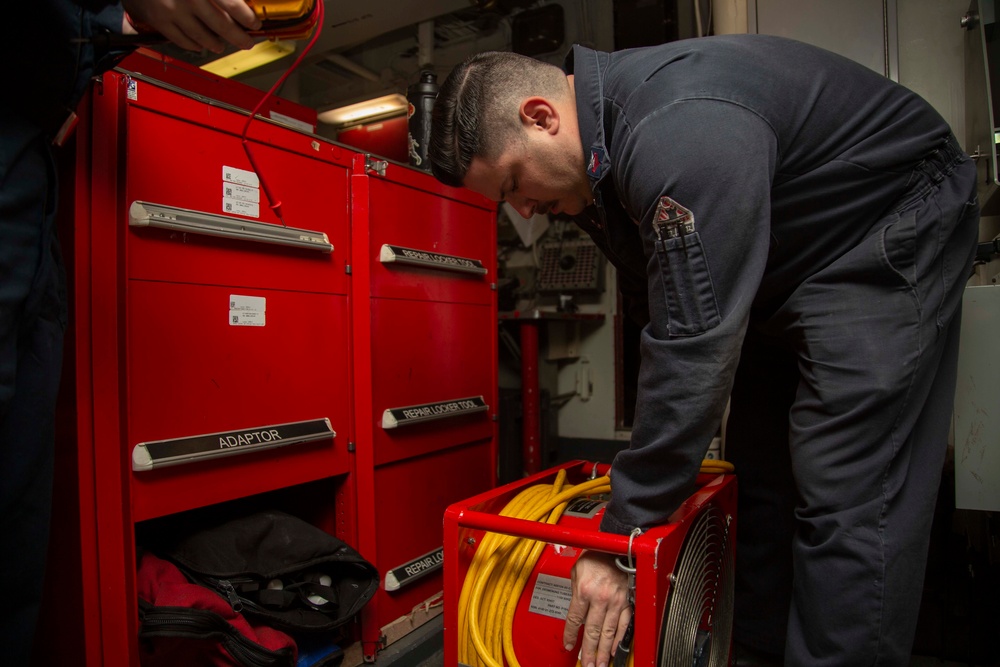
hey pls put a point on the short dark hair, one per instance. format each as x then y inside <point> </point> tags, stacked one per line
<point>475,113</point>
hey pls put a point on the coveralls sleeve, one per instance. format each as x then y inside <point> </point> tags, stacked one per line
<point>714,160</point>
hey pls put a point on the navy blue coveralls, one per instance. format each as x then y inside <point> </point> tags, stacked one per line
<point>796,232</point>
<point>44,76</point>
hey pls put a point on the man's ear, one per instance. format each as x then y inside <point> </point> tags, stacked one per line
<point>540,114</point>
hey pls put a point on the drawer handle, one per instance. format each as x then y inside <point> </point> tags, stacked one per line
<point>414,414</point>
<point>430,260</point>
<point>145,214</point>
<point>178,451</point>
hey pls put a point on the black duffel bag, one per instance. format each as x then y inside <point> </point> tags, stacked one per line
<point>277,568</point>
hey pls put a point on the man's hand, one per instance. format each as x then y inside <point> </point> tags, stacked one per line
<point>197,24</point>
<point>600,605</point>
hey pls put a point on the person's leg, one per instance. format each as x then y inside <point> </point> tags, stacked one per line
<point>877,339</point>
<point>31,334</point>
<point>757,445</point>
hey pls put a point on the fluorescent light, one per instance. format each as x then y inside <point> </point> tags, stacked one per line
<point>378,107</point>
<point>261,54</point>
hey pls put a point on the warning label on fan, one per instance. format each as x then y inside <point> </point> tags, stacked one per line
<point>551,596</point>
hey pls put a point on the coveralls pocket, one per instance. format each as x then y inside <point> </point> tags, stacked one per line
<point>897,243</point>
<point>692,307</point>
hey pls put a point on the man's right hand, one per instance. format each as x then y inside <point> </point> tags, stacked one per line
<point>197,24</point>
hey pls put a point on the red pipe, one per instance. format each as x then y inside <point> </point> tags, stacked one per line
<point>552,534</point>
<point>531,431</point>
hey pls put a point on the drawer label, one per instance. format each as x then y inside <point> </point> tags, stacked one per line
<point>407,573</point>
<point>240,176</point>
<point>248,208</point>
<point>396,417</point>
<point>431,260</point>
<point>240,193</point>
<point>247,311</point>
<point>160,453</point>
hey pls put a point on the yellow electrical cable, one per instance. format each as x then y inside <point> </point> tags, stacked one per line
<point>484,562</point>
<point>490,594</point>
<point>540,502</point>
<point>716,466</point>
<point>514,563</point>
<point>506,594</point>
<point>520,580</point>
<point>488,545</point>
<point>492,543</point>
<point>515,573</point>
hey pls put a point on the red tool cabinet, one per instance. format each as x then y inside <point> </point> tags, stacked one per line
<point>215,358</point>
<point>425,337</point>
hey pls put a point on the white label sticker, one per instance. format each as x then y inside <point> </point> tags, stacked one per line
<point>247,311</point>
<point>586,508</point>
<point>551,596</point>
<point>247,208</point>
<point>131,90</point>
<point>240,176</point>
<point>238,319</point>
<point>240,192</point>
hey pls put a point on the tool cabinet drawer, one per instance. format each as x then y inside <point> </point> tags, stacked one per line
<point>432,384</point>
<point>424,246</point>
<point>232,391</point>
<point>197,211</point>
<point>410,500</point>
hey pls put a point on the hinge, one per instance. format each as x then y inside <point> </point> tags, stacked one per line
<point>375,166</point>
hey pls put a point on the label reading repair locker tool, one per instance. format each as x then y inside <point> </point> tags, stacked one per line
<point>401,255</point>
<point>414,414</point>
<point>247,311</point>
<point>551,596</point>
<point>405,574</point>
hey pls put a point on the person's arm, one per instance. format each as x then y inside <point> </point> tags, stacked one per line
<point>197,24</point>
<point>716,160</point>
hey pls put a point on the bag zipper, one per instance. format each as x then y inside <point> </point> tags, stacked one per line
<point>203,623</point>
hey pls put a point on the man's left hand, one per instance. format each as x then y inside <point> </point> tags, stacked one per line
<point>600,605</point>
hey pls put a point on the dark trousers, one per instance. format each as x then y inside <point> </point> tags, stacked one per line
<point>32,322</point>
<point>839,427</point>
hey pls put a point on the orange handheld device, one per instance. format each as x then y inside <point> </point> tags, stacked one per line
<point>280,19</point>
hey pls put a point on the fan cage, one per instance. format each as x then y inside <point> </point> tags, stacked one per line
<point>697,625</point>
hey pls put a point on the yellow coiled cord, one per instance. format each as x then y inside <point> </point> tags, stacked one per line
<point>502,565</point>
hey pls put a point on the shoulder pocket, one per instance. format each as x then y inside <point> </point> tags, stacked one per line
<point>687,285</point>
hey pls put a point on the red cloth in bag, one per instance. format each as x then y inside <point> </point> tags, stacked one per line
<point>187,624</point>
